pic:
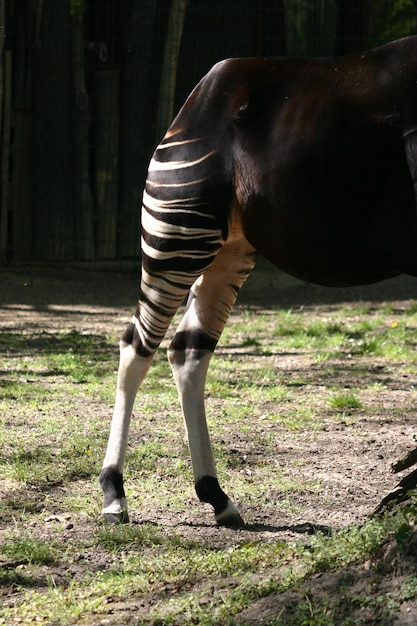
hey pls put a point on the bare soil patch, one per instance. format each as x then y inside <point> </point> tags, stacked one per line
<point>351,457</point>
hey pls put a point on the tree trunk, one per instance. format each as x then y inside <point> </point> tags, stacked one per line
<point>134,95</point>
<point>54,218</point>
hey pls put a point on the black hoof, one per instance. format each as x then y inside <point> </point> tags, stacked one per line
<point>115,506</point>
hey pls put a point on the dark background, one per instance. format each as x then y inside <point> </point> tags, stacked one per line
<point>88,88</point>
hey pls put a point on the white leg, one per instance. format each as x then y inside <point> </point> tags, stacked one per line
<point>190,378</point>
<point>210,301</point>
<point>132,370</point>
<point>161,295</point>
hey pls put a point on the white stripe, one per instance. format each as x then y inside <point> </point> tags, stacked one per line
<point>159,228</point>
<point>177,143</point>
<point>170,206</point>
<point>180,278</point>
<point>191,182</point>
<point>161,166</point>
<point>177,254</point>
<point>141,334</point>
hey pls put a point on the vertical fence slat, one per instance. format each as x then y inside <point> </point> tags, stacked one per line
<point>3,226</point>
<point>5,148</point>
<point>83,198</point>
<point>21,178</point>
<point>21,186</point>
<point>106,161</point>
<point>73,158</point>
<point>170,67</point>
<point>135,121</point>
<point>54,226</point>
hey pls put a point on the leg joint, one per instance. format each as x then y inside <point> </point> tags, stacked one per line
<point>193,339</point>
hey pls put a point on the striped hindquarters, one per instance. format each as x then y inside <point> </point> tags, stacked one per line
<point>181,236</point>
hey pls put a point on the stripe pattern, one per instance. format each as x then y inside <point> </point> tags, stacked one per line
<point>180,236</point>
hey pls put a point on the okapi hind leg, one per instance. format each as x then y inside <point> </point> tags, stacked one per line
<point>161,294</point>
<point>180,239</point>
<point>209,304</point>
<point>132,371</point>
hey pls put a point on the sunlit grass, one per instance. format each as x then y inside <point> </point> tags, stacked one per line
<point>345,401</point>
<point>55,410</point>
<point>146,560</point>
<point>22,547</point>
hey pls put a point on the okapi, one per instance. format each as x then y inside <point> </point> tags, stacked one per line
<point>310,162</point>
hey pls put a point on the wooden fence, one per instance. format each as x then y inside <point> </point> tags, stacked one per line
<point>87,88</point>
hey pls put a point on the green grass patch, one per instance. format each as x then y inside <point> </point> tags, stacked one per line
<point>345,401</point>
<point>170,566</point>
<point>24,548</point>
<point>196,584</point>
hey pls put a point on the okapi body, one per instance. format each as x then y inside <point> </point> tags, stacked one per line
<point>311,162</point>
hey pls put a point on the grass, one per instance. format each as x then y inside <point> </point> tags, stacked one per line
<point>26,549</point>
<point>210,584</point>
<point>380,335</point>
<point>59,564</point>
<point>345,401</point>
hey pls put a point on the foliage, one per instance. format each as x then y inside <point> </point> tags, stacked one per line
<point>392,22</point>
<point>77,7</point>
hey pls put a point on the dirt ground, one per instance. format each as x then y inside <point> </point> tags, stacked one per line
<point>353,462</point>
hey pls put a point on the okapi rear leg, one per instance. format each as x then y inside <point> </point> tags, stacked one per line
<point>156,307</point>
<point>209,304</point>
<point>173,257</point>
<point>132,371</point>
